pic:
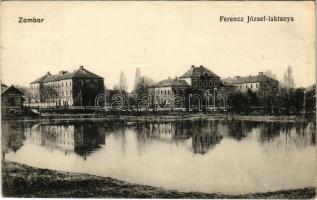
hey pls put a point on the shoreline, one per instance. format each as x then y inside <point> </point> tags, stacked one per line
<point>159,117</point>
<point>19,180</point>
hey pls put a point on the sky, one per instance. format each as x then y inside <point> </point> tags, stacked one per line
<point>161,38</point>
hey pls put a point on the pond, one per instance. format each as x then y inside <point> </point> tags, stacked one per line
<point>231,157</point>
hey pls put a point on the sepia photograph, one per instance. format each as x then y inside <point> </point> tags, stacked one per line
<point>158,99</point>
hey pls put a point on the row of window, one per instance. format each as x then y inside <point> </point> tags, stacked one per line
<point>163,92</point>
<point>205,83</point>
<point>56,94</point>
<point>59,84</point>
<point>251,85</point>
<point>61,93</point>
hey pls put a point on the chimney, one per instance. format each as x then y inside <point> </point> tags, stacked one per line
<point>193,66</point>
<point>48,73</point>
<point>201,66</point>
<point>176,77</point>
<point>81,67</point>
<point>169,77</point>
<point>260,73</point>
<point>62,72</point>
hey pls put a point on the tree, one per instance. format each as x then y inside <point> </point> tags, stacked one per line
<point>252,98</point>
<point>238,102</point>
<point>311,99</point>
<point>288,79</point>
<point>123,82</point>
<point>137,78</point>
<point>142,88</point>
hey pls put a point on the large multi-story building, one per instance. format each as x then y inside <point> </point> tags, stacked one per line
<point>201,78</point>
<point>253,83</point>
<point>77,88</point>
<point>198,80</point>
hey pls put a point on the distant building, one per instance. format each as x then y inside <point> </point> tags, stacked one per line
<point>11,100</point>
<point>253,83</point>
<point>201,78</point>
<point>77,88</point>
<point>166,90</point>
<point>198,80</point>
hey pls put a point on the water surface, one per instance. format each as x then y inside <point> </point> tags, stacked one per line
<point>195,155</point>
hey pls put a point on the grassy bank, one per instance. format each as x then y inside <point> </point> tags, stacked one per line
<point>23,181</point>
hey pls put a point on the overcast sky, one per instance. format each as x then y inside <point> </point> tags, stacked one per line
<point>161,38</point>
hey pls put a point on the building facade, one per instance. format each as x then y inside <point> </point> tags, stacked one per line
<point>201,78</point>
<point>77,88</point>
<point>165,91</point>
<point>253,83</point>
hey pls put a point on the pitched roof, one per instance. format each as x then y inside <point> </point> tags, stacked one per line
<point>225,84</point>
<point>39,80</point>
<point>197,72</point>
<point>248,79</point>
<point>3,86</point>
<point>11,88</point>
<point>63,75</point>
<point>172,82</point>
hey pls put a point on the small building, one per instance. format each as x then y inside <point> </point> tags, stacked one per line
<point>11,100</point>
<point>253,83</point>
<point>77,88</point>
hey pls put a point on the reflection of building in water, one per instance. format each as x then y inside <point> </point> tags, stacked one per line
<point>203,142</point>
<point>81,138</point>
<point>204,136</point>
<point>163,131</point>
<point>11,136</point>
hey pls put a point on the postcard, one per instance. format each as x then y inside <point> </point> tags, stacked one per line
<point>158,99</point>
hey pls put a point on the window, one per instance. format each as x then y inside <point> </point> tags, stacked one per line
<point>251,85</point>
<point>199,83</point>
<point>246,86</point>
<point>70,83</point>
<point>205,83</point>
<point>257,85</point>
<point>210,83</point>
<point>62,84</point>
<point>66,83</point>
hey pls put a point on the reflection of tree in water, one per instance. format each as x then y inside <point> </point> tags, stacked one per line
<point>287,136</point>
<point>12,136</point>
<point>270,130</point>
<point>239,129</point>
